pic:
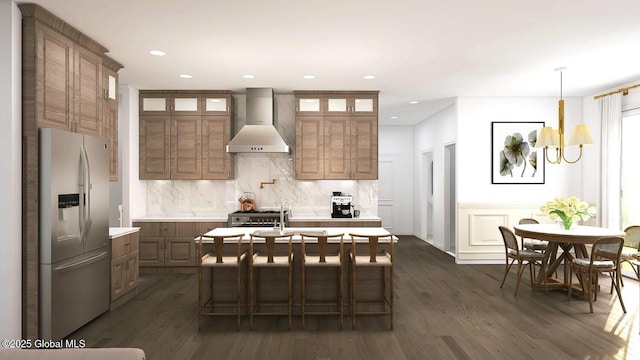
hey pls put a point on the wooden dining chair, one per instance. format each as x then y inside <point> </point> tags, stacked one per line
<point>532,244</point>
<point>216,258</point>
<point>605,257</point>
<point>630,254</point>
<point>371,257</point>
<point>318,259</point>
<point>269,259</point>
<point>524,257</point>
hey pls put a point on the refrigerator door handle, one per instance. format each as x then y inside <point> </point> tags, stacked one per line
<point>82,262</point>
<point>86,179</point>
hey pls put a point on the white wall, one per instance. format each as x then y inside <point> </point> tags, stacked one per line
<point>482,206</point>
<point>398,141</point>
<point>433,134</point>
<point>134,191</point>
<point>11,174</point>
<point>475,115</point>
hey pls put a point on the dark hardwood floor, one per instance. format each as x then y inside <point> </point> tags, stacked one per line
<point>442,311</point>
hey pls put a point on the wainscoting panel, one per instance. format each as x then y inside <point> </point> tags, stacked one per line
<point>479,240</point>
<point>484,228</point>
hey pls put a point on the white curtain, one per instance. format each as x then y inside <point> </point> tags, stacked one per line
<point>610,110</point>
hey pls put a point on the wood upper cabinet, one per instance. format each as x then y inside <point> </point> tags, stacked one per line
<point>154,147</point>
<point>216,134</point>
<point>360,104</point>
<point>340,140</point>
<point>110,100</point>
<point>87,92</point>
<point>337,148</point>
<point>69,84</point>
<point>54,78</point>
<point>364,148</point>
<point>186,147</point>
<point>309,147</point>
<point>196,131</point>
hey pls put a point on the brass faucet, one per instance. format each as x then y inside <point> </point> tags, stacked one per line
<point>263,183</point>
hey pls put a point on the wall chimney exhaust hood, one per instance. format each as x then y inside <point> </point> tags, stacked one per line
<point>259,134</point>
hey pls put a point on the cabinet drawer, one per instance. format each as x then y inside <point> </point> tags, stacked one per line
<point>120,246</point>
<point>186,229</point>
<point>156,228</point>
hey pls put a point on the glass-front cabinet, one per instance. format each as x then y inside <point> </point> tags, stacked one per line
<point>309,105</point>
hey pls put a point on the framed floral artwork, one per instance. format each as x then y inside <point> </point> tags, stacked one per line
<point>514,158</point>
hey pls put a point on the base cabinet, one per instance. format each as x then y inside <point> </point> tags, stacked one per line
<point>335,223</point>
<point>124,269</point>
<point>170,246</point>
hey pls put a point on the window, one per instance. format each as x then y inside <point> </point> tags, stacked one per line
<point>630,169</point>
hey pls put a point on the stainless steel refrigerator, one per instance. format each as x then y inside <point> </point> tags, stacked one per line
<point>74,231</point>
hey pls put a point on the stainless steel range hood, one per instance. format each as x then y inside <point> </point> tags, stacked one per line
<point>259,134</point>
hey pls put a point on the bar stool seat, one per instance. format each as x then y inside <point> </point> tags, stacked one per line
<point>216,258</point>
<point>269,260</point>
<point>372,258</point>
<point>321,259</point>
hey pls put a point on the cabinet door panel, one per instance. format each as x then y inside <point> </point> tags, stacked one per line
<point>131,271</point>
<point>216,134</point>
<point>151,251</point>
<point>54,66</point>
<point>154,104</point>
<point>180,251</point>
<point>87,92</point>
<point>337,148</point>
<point>186,149</point>
<point>154,147</point>
<point>309,147</point>
<point>118,283</point>
<point>110,119</point>
<point>365,148</point>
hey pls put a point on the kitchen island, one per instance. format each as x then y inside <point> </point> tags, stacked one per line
<point>322,284</point>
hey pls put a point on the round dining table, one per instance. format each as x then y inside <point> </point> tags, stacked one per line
<point>574,239</point>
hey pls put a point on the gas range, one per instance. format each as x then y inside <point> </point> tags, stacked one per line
<point>256,218</point>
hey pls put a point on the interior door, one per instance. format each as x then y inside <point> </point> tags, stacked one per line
<point>390,207</point>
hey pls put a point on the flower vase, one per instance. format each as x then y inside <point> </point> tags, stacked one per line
<point>567,225</point>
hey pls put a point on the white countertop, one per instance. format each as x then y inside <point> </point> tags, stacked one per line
<point>221,219</point>
<point>179,219</point>
<point>296,231</point>
<point>115,232</point>
<point>329,218</point>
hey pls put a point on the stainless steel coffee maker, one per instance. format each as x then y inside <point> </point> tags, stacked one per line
<point>341,205</point>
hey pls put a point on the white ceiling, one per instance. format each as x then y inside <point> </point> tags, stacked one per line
<point>425,50</point>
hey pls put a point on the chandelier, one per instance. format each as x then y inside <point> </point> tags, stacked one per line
<point>551,138</point>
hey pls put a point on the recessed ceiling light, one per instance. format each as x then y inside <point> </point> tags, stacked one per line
<point>394,117</point>
<point>309,76</point>
<point>157,53</point>
<point>248,76</point>
<point>186,76</point>
<point>369,77</point>
<point>414,102</point>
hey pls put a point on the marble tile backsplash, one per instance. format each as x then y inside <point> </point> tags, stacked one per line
<point>217,198</point>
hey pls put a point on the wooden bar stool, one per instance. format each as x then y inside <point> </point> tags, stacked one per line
<point>267,260</point>
<point>321,259</point>
<point>215,258</point>
<point>372,257</point>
